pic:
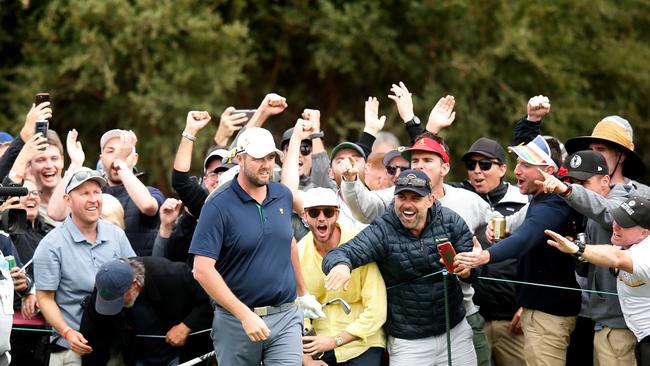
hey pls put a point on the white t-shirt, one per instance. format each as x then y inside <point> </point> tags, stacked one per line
<point>634,290</point>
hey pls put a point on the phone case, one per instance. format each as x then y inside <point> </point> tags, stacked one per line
<point>447,253</point>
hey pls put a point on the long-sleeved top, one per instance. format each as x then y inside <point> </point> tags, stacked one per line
<point>416,305</point>
<point>605,309</point>
<point>540,262</point>
<point>366,296</point>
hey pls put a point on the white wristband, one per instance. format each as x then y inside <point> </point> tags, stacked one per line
<point>188,136</point>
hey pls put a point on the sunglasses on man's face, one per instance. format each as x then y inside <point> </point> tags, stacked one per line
<point>483,164</point>
<point>314,212</point>
<point>392,169</point>
<point>304,149</point>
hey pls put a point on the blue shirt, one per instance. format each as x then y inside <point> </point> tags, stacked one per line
<point>67,263</point>
<point>251,243</point>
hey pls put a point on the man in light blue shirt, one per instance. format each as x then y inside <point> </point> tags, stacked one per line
<point>67,259</point>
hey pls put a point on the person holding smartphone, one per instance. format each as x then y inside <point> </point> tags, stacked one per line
<point>403,243</point>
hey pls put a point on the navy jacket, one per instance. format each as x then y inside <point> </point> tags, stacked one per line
<point>416,305</point>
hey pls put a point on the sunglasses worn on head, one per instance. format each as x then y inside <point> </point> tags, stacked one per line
<point>314,212</point>
<point>483,164</point>
<point>409,181</point>
<point>392,169</point>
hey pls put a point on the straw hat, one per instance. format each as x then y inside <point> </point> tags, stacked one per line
<point>612,130</point>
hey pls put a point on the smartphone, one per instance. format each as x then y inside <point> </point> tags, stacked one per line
<point>41,98</point>
<point>447,253</point>
<point>42,126</point>
<point>248,112</point>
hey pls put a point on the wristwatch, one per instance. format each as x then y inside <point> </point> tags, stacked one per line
<point>338,341</point>
<point>581,249</point>
<point>413,122</point>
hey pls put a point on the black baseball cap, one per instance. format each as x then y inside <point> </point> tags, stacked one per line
<point>635,211</point>
<point>585,164</point>
<point>286,136</point>
<point>413,180</point>
<point>486,147</point>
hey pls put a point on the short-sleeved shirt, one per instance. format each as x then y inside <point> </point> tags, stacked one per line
<point>140,228</point>
<point>250,242</point>
<point>634,290</point>
<point>65,262</point>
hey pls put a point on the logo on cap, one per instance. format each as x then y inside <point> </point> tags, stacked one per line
<point>411,176</point>
<point>576,161</point>
<point>631,203</point>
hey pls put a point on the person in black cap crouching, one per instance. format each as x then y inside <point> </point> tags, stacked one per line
<point>143,295</point>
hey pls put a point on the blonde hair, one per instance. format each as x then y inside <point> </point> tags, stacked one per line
<point>112,210</point>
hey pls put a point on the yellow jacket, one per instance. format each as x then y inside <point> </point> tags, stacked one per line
<point>366,296</point>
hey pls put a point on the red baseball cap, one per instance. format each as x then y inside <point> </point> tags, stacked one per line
<point>429,145</point>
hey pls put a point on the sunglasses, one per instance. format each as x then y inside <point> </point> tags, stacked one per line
<point>84,174</point>
<point>484,164</point>
<point>304,149</point>
<point>411,181</point>
<point>392,169</point>
<point>314,212</point>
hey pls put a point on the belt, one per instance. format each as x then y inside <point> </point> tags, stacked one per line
<point>270,310</point>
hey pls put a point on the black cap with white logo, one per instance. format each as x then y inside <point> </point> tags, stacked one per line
<point>585,164</point>
<point>633,212</point>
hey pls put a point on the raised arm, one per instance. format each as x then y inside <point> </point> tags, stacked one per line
<point>290,175</point>
<point>56,208</point>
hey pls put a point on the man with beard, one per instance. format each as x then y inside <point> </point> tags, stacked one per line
<point>143,295</point>
<point>403,242</point>
<point>355,338</point>
<point>140,202</point>
<point>247,261</point>
<point>67,259</point>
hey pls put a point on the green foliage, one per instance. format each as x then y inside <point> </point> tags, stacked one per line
<point>142,64</point>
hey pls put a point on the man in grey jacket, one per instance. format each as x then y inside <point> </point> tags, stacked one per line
<point>590,194</point>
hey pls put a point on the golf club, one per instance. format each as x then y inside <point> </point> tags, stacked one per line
<point>340,301</point>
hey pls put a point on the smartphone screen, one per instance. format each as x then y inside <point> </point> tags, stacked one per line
<point>41,126</point>
<point>447,253</point>
<point>248,112</point>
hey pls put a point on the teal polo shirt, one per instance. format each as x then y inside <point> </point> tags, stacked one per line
<point>250,242</point>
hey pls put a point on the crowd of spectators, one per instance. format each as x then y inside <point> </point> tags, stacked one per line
<point>289,254</point>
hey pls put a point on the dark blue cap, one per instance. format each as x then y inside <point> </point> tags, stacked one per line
<point>413,180</point>
<point>112,281</point>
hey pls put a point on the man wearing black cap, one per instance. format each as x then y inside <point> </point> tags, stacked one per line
<point>144,295</point>
<point>486,166</point>
<point>630,257</point>
<point>589,192</point>
<point>403,242</point>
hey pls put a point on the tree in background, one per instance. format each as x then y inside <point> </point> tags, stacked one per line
<point>143,64</point>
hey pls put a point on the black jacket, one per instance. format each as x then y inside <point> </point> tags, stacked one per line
<point>416,306</point>
<point>173,294</point>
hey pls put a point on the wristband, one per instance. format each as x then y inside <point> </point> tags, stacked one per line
<point>316,135</point>
<point>569,188</point>
<point>188,136</point>
<point>65,332</point>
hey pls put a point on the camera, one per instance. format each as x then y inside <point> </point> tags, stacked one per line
<point>13,220</point>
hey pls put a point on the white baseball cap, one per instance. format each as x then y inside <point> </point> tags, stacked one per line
<point>257,142</point>
<point>319,196</point>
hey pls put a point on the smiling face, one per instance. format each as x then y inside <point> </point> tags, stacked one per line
<point>484,181</point>
<point>626,237</point>
<point>30,202</point>
<point>257,172</point>
<point>46,168</point>
<point>411,209</point>
<point>85,203</point>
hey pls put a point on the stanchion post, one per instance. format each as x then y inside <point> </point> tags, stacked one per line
<point>447,325</point>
